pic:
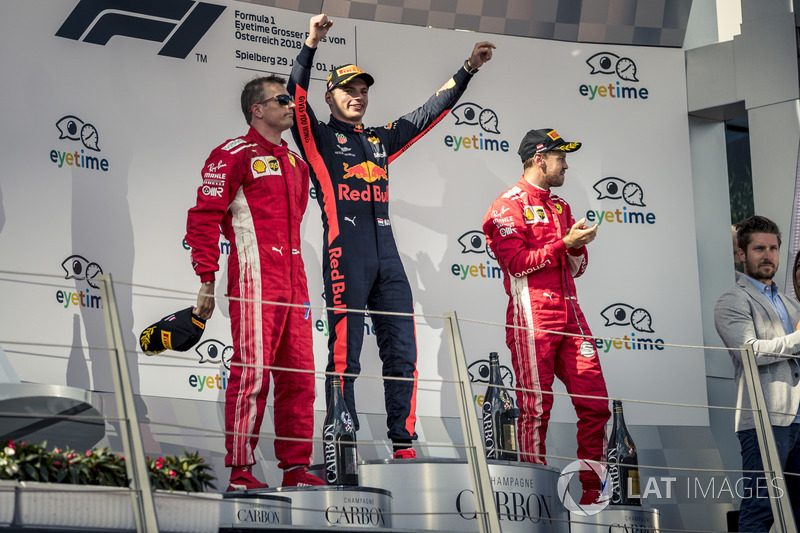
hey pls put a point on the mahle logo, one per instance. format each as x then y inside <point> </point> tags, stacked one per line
<point>638,318</point>
<point>629,192</point>
<point>620,69</point>
<point>179,24</point>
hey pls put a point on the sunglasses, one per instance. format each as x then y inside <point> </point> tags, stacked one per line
<point>283,99</point>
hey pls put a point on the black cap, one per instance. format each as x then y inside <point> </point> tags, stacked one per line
<point>178,331</point>
<point>544,140</point>
<point>345,74</point>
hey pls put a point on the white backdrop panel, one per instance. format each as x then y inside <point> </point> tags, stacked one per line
<point>153,119</point>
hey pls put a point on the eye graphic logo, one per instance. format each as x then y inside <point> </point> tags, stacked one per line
<point>80,268</point>
<point>610,63</point>
<point>474,242</point>
<point>616,189</point>
<point>72,128</point>
<point>179,24</point>
<point>620,314</point>
<point>472,114</point>
<point>214,351</point>
<point>479,373</point>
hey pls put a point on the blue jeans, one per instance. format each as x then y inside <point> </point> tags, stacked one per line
<point>755,512</point>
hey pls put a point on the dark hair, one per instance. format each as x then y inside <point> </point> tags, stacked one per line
<point>755,224</point>
<point>529,162</point>
<point>253,93</point>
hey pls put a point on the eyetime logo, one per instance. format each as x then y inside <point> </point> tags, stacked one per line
<point>179,24</point>
<point>212,351</point>
<point>620,68</point>
<point>79,268</point>
<point>73,128</point>
<point>613,188</point>
<point>474,242</point>
<point>471,114</point>
<point>623,314</point>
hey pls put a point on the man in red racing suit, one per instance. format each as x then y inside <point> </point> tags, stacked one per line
<point>256,190</point>
<point>361,266</point>
<point>541,249</point>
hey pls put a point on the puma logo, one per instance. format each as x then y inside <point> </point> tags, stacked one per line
<point>548,295</point>
<point>351,220</point>
<point>279,250</point>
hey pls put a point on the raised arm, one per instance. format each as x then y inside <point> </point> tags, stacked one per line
<point>305,122</point>
<point>410,127</point>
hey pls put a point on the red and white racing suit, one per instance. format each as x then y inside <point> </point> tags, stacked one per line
<point>257,193</point>
<point>524,228</point>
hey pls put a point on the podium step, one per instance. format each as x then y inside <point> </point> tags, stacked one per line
<point>436,494</point>
<point>306,508</point>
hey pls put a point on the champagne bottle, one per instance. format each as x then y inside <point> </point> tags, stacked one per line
<point>499,414</point>
<point>339,436</point>
<point>623,462</point>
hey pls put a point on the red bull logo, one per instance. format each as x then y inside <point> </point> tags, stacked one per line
<point>367,171</point>
<point>337,279</point>
<point>345,193</point>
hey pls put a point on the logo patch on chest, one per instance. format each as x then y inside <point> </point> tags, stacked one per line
<point>534,214</point>
<point>265,166</point>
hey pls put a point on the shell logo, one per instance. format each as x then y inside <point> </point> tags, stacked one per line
<point>259,166</point>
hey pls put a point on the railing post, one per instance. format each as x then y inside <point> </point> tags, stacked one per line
<point>144,510</point>
<point>488,520</point>
<point>773,470</point>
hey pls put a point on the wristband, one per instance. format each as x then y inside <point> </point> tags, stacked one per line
<point>468,68</point>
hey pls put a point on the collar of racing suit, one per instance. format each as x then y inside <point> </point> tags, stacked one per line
<point>261,141</point>
<point>340,125</point>
<point>533,189</point>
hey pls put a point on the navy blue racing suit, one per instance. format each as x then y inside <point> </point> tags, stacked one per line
<point>361,265</point>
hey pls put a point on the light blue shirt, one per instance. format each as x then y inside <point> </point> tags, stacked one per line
<point>771,293</point>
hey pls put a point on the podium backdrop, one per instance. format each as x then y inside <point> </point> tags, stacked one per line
<point>108,116</point>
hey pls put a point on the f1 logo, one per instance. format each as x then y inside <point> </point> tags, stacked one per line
<point>179,24</point>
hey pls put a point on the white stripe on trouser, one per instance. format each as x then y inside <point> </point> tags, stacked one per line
<point>251,339</point>
<point>525,344</point>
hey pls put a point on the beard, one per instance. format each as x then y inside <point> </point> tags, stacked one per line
<point>763,271</point>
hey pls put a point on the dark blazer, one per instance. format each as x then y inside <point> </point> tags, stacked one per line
<point>744,316</point>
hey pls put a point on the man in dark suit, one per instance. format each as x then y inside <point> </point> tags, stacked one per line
<point>753,312</point>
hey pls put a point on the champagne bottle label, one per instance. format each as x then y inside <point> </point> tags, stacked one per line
<point>331,473</point>
<point>349,456</point>
<point>613,476</point>
<point>488,431</point>
<point>510,434</point>
<point>634,488</point>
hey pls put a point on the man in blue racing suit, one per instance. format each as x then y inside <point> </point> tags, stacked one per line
<point>361,266</point>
